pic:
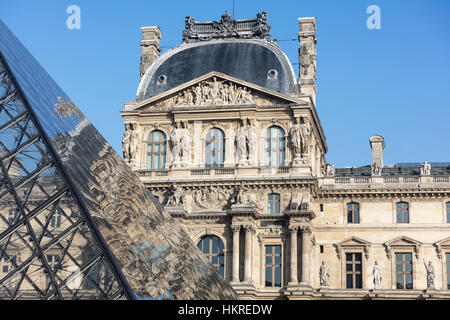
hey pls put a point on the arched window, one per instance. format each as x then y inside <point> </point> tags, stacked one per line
<point>353,212</point>
<point>215,148</point>
<point>156,150</point>
<point>275,147</point>
<point>402,212</point>
<point>274,203</point>
<point>212,247</point>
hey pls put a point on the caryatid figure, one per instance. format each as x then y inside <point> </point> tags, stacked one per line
<point>126,143</point>
<point>241,143</point>
<point>296,140</point>
<point>185,144</point>
<point>176,138</point>
<point>252,137</point>
<point>376,272</point>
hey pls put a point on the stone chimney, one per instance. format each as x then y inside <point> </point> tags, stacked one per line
<point>377,146</point>
<point>307,56</point>
<point>151,37</point>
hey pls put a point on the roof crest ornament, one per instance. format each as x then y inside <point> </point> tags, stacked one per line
<point>227,27</point>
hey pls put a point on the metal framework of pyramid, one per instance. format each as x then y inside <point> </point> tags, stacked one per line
<point>75,222</point>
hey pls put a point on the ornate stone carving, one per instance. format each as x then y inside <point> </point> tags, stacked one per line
<point>426,169</point>
<point>293,229</point>
<point>126,143</point>
<point>227,27</point>
<point>305,229</point>
<point>241,143</point>
<point>211,197</point>
<point>376,273</point>
<point>248,228</point>
<point>430,275</point>
<point>324,275</point>
<point>181,145</point>
<point>246,140</point>
<point>300,135</point>
<point>176,197</point>
<point>235,228</point>
<point>307,62</point>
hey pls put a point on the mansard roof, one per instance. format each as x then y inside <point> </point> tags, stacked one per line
<point>400,169</point>
<point>257,61</point>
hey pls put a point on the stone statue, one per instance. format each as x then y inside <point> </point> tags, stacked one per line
<point>126,143</point>
<point>376,272</point>
<point>252,137</point>
<point>324,275</point>
<point>295,136</point>
<point>376,170</point>
<point>240,196</point>
<point>426,169</point>
<point>134,142</point>
<point>329,170</point>
<point>175,139</point>
<point>241,143</point>
<point>305,134</point>
<point>185,145</point>
<point>177,197</point>
<point>430,275</point>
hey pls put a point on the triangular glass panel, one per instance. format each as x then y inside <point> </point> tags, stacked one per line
<point>75,221</point>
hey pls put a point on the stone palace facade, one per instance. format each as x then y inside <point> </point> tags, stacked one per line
<point>227,137</point>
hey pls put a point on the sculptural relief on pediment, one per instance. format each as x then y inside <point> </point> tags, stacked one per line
<point>213,92</point>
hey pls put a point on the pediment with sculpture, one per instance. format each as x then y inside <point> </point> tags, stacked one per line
<point>215,89</point>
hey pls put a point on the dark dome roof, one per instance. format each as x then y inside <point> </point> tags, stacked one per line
<point>249,60</point>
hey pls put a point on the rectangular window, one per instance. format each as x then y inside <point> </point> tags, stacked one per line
<point>353,270</point>
<point>8,264</point>
<point>402,212</point>
<point>447,268</point>
<point>403,270</point>
<point>353,213</point>
<point>273,266</point>
<point>274,203</point>
<point>321,207</point>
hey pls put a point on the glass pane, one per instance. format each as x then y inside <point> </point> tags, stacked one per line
<point>408,257</point>
<point>268,249</point>
<point>408,267</point>
<point>269,260</point>
<point>149,161</point>
<point>356,217</point>
<point>349,267</point>
<point>399,281</point>
<point>398,257</point>
<point>215,260</point>
<point>268,277</point>
<point>278,260</point>
<point>358,281</point>
<point>348,257</point>
<point>215,245</point>
<point>349,281</point>
<point>278,249</point>
<point>206,245</point>
<point>358,256</point>
<point>149,148</point>
<point>399,267</point>
<point>358,267</point>
<point>278,277</point>
<point>409,283</point>
<point>221,271</point>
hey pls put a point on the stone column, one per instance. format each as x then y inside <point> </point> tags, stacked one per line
<point>248,252</point>
<point>235,229</point>
<point>293,263</point>
<point>306,232</point>
<point>261,261</point>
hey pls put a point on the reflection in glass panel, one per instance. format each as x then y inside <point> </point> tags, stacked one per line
<point>38,211</point>
<point>448,212</point>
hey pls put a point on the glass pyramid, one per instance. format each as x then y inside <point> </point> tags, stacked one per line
<point>75,221</point>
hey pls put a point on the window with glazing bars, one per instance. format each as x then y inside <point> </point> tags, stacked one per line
<point>403,270</point>
<point>212,247</point>
<point>156,150</point>
<point>353,270</point>
<point>353,212</point>
<point>214,148</point>
<point>274,203</point>
<point>273,266</point>
<point>402,212</point>
<point>447,268</point>
<point>275,147</point>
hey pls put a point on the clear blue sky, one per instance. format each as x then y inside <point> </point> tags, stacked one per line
<point>394,81</point>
